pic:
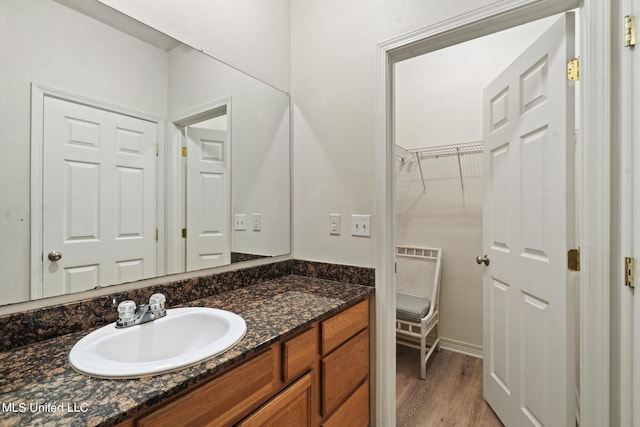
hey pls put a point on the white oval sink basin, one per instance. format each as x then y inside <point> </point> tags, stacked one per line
<point>183,337</point>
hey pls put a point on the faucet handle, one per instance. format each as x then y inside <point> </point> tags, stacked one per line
<point>126,310</point>
<point>156,302</point>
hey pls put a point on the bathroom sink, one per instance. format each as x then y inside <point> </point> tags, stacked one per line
<point>185,336</point>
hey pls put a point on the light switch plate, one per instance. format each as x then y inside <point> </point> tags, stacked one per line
<point>240,222</point>
<point>361,225</point>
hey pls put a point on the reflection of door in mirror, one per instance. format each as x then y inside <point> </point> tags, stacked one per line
<point>208,195</point>
<point>137,73</point>
<point>99,198</point>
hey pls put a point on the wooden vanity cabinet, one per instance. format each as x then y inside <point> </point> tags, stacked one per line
<point>320,377</point>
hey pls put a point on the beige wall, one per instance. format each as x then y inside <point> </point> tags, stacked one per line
<point>333,86</point>
<point>251,35</point>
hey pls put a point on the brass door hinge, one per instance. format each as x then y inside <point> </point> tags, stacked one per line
<point>629,31</point>
<point>573,69</point>
<point>573,259</point>
<point>184,151</point>
<point>184,233</point>
<point>629,271</point>
<point>157,234</point>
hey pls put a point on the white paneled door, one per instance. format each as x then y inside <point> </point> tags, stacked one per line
<point>99,197</point>
<point>208,208</point>
<point>529,330</point>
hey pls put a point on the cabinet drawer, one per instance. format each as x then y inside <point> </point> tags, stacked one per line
<point>291,408</point>
<point>344,325</point>
<point>298,354</point>
<point>354,412</point>
<point>222,400</point>
<point>343,371</point>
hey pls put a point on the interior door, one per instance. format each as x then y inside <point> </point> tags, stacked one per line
<point>99,197</point>
<point>528,324</point>
<point>208,209</point>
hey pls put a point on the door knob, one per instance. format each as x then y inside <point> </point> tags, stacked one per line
<point>482,260</point>
<point>54,256</point>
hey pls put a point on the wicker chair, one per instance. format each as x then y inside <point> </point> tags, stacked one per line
<point>417,300</point>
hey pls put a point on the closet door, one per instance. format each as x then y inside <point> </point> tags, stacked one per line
<point>529,330</point>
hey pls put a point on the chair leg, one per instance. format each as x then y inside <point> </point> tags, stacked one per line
<point>423,356</point>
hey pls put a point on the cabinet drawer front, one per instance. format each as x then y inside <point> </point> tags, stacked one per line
<point>343,326</point>
<point>292,408</point>
<point>223,399</point>
<point>344,370</point>
<point>354,412</point>
<point>298,354</point>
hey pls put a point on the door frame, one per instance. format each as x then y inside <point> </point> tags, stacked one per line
<point>38,94</point>
<point>176,177</point>
<point>594,209</point>
<point>629,241</point>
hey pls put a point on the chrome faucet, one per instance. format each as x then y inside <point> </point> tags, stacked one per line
<point>128,315</point>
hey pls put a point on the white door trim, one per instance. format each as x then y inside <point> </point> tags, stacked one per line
<point>595,234</point>
<point>596,121</point>
<point>38,93</point>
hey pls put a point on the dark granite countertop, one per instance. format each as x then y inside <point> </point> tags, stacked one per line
<point>39,387</point>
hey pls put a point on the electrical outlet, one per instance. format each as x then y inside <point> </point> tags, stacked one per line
<point>257,222</point>
<point>240,222</point>
<point>334,224</point>
<point>361,225</point>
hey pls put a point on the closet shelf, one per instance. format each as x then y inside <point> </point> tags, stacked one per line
<point>448,150</point>
<point>437,151</point>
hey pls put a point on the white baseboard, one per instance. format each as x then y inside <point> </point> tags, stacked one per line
<point>461,347</point>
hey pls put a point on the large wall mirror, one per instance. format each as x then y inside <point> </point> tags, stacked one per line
<point>129,155</point>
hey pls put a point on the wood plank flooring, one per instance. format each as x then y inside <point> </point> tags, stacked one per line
<point>450,396</point>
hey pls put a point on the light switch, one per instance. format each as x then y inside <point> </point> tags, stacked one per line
<point>257,222</point>
<point>361,225</point>
<point>240,222</point>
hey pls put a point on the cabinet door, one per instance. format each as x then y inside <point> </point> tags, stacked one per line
<point>339,328</point>
<point>291,408</point>
<point>354,412</point>
<point>299,354</point>
<point>343,371</point>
